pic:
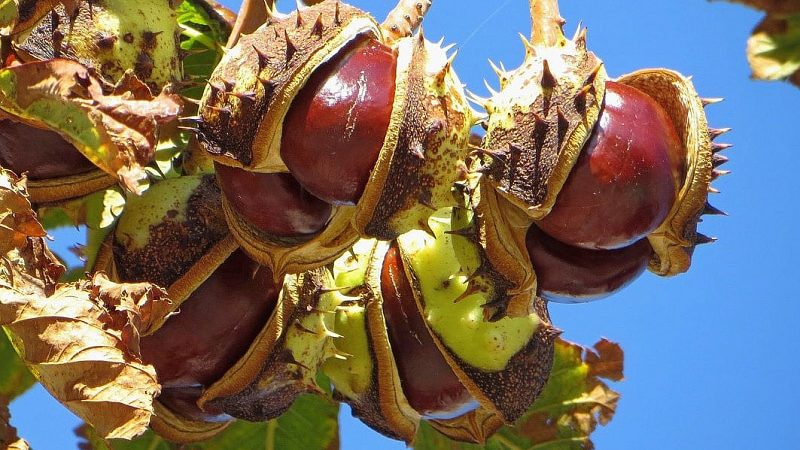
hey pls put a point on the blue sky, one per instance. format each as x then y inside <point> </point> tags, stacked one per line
<point>709,354</point>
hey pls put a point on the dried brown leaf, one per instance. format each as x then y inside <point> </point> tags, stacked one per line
<point>773,6</point>
<point>17,220</point>
<point>81,340</point>
<point>82,343</point>
<point>118,132</point>
<point>8,434</point>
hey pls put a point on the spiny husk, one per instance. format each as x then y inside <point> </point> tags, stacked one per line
<point>176,428</point>
<point>64,188</point>
<point>489,242</point>
<point>283,361</point>
<point>250,92</point>
<point>540,120</point>
<point>109,36</point>
<point>425,145</point>
<point>504,379</point>
<point>674,240</point>
<point>174,236</point>
<point>505,375</point>
<point>284,255</point>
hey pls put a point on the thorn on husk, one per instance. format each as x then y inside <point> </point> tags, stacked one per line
<point>263,59</point>
<point>549,80</point>
<point>711,210</point>
<point>291,49</point>
<point>703,239</point>
<point>718,147</point>
<point>718,160</point>
<point>318,27</point>
<point>711,100</point>
<point>717,132</point>
<point>719,173</point>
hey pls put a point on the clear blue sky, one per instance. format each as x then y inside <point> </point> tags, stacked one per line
<point>710,354</point>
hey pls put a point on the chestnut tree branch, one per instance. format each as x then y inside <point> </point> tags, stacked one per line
<point>546,22</point>
<point>404,19</point>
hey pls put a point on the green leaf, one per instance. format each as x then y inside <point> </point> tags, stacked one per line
<point>310,424</point>
<point>203,38</point>
<point>15,378</point>
<point>98,211</point>
<point>568,410</point>
<point>774,48</point>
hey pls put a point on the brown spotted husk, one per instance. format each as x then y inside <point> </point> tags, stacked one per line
<point>251,91</point>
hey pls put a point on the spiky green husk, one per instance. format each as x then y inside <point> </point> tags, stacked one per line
<point>540,120</point>
<point>425,146</point>
<point>283,361</point>
<point>112,37</point>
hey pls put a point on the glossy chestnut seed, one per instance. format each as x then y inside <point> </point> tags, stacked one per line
<point>275,203</point>
<point>428,382</point>
<point>42,154</point>
<point>335,128</point>
<point>626,177</point>
<point>568,274</point>
<point>214,326</point>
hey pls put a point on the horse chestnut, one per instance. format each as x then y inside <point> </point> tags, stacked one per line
<point>335,128</point>
<point>626,178</point>
<point>214,327</point>
<point>42,154</point>
<point>428,382</point>
<point>569,274</point>
<point>273,202</point>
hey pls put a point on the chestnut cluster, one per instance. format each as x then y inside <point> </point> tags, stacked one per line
<point>97,36</point>
<point>324,129</point>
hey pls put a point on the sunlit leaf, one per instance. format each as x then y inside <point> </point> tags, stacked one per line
<point>17,220</point>
<point>774,49</point>
<point>572,404</point>
<point>118,132</point>
<point>205,30</point>
<point>310,424</point>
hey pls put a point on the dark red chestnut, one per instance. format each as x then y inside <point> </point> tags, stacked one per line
<point>42,154</point>
<point>275,203</point>
<point>568,274</point>
<point>626,177</point>
<point>335,128</point>
<point>214,326</point>
<point>428,382</point>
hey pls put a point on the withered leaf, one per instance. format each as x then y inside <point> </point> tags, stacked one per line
<point>82,343</point>
<point>117,132</point>
<point>81,340</point>
<point>773,6</point>
<point>774,48</point>
<point>564,416</point>
<point>17,220</point>
<point>19,15</point>
<point>8,434</point>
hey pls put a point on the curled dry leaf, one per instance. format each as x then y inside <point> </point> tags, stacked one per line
<point>117,132</point>
<point>81,340</point>
<point>564,416</point>
<point>773,50</point>
<point>19,15</point>
<point>8,434</point>
<point>17,220</point>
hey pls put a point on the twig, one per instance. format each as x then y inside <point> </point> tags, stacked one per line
<point>546,23</point>
<point>404,19</point>
<point>252,15</point>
